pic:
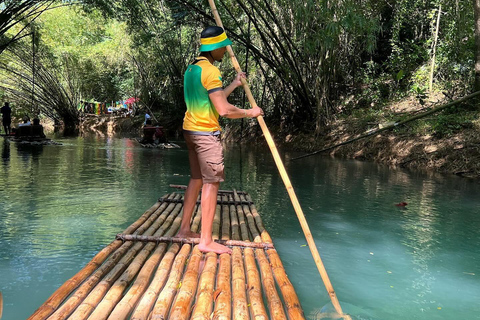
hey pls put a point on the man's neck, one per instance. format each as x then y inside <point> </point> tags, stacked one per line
<point>208,55</point>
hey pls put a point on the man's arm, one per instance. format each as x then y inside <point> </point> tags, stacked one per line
<point>227,110</point>
<point>237,82</point>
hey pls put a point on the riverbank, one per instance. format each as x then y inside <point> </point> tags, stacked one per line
<point>438,143</point>
<point>423,144</point>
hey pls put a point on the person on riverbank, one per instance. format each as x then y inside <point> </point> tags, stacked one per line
<point>206,100</point>
<point>6,118</point>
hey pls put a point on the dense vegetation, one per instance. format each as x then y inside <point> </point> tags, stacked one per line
<point>308,61</point>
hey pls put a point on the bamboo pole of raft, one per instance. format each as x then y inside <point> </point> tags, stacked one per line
<point>223,295</point>
<point>233,243</point>
<point>240,304</point>
<point>99,302</point>
<point>161,303</point>
<point>67,288</point>
<point>274,302</point>
<point>91,290</point>
<point>285,178</point>
<point>204,300</point>
<point>181,306</point>
<point>290,298</point>
<point>148,299</point>
<point>113,296</point>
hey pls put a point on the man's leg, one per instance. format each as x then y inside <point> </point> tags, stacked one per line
<point>209,204</point>
<point>189,202</point>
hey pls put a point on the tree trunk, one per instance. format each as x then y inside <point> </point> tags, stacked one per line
<point>477,44</point>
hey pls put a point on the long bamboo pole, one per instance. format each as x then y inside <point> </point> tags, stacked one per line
<point>236,243</point>
<point>180,309</point>
<point>285,178</point>
<point>205,298</point>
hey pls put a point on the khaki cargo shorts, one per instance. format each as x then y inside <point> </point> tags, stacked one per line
<point>205,154</point>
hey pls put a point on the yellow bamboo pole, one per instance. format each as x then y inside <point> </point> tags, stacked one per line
<point>183,301</point>
<point>254,287</point>
<point>148,299</point>
<point>241,219</point>
<point>285,178</point>
<point>204,301</point>
<point>240,304</point>
<point>1,305</point>
<point>234,220</point>
<point>225,219</point>
<point>164,300</point>
<point>223,294</point>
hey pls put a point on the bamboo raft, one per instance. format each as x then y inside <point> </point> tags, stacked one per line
<point>147,273</point>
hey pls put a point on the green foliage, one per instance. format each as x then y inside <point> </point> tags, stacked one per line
<point>445,125</point>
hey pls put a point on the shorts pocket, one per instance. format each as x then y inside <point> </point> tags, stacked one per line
<point>217,168</point>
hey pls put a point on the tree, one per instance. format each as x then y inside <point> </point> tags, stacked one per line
<point>476,5</point>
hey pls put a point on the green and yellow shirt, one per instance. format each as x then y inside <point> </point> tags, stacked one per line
<point>201,78</point>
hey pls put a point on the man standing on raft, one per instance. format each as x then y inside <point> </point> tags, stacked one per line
<point>206,100</point>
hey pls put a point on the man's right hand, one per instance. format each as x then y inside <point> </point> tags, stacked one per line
<point>255,112</point>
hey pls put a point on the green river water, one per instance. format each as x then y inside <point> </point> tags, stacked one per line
<point>60,204</point>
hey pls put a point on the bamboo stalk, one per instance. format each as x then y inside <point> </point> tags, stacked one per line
<point>225,219</point>
<point>148,299</point>
<point>274,302</point>
<point>183,300</point>
<point>223,294</point>
<point>285,178</point>
<point>241,219</point>
<point>164,300</point>
<point>70,285</point>
<point>251,223</point>
<point>204,301</point>
<point>254,286</point>
<point>256,215</point>
<point>216,221</point>
<point>234,221</point>
<point>240,304</point>
<point>231,243</point>
<point>114,294</point>
<point>1,305</point>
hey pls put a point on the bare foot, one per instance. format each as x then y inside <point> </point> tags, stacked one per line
<point>214,247</point>
<point>188,234</point>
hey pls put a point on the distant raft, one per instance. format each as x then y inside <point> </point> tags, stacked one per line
<point>147,273</point>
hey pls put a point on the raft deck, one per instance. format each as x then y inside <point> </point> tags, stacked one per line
<point>146,273</point>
